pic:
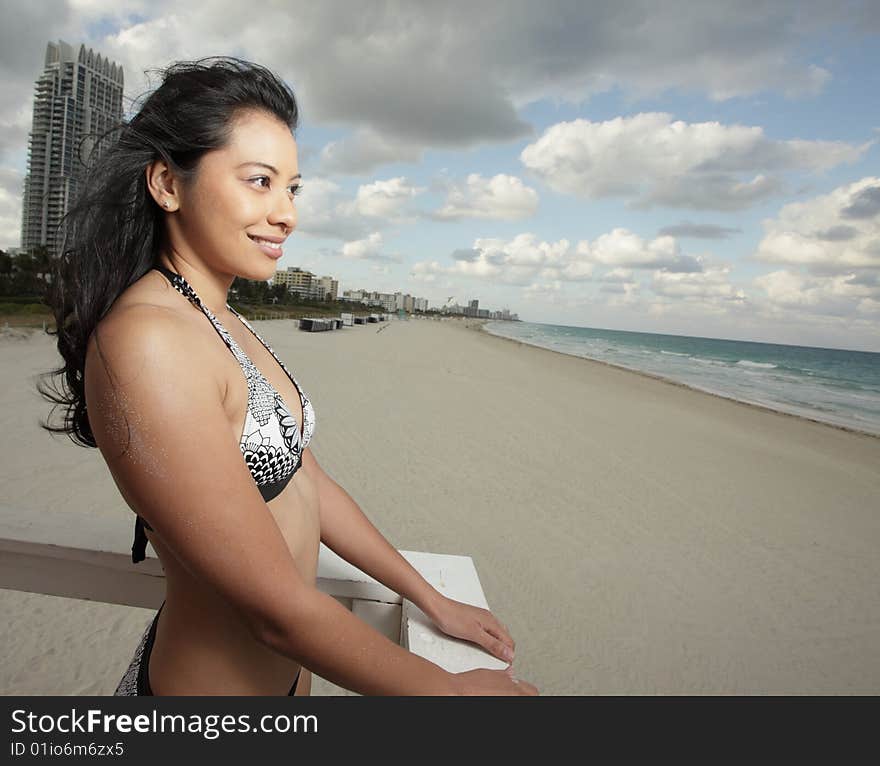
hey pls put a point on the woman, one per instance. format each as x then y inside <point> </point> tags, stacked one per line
<point>210,448</point>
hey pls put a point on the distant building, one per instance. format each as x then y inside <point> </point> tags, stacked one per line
<point>76,99</point>
<point>307,285</point>
<point>473,310</point>
<point>390,302</point>
<point>328,285</point>
<point>298,281</point>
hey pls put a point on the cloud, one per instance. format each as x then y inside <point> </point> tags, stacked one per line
<point>501,197</point>
<point>524,259</point>
<point>623,248</point>
<point>617,276</point>
<point>367,249</point>
<point>325,210</point>
<point>709,285</point>
<point>11,190</point>
<point>698,230</point>
<point>413,76</point>
<point>365,151</point>
<point>839,233</point>
<point>865,204</point>
<point>653,160</point>
<point>829,247</point>
<point>14,129</point>
<point>385,199</point>
<point>840,295</point>
<point>832,234</point>
<point>545,292</point>
<point>520,261</point>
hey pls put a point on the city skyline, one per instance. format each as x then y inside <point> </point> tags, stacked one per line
<point>679,169</point>
<point>311,287</point>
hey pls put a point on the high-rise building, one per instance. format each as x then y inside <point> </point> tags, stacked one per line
<point>76,99</point>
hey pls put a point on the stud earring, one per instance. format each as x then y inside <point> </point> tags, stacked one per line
<point>166,203</point>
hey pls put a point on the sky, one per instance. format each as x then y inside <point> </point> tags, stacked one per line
<point>707,169</point>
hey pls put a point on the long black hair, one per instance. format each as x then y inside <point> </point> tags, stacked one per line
<point>114,232</point>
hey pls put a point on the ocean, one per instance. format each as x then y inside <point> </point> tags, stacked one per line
<point>830,385</point>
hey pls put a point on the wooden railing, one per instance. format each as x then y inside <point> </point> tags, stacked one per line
<point>59,554</point>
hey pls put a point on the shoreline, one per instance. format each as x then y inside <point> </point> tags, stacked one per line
<point>15,334</point>
<point>477,325</point>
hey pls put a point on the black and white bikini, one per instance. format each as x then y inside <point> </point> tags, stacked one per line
<point>271,445</point>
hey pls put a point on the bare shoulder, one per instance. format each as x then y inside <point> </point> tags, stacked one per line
<point>146,325</point>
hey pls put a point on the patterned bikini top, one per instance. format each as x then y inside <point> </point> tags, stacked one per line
<point>270,441</point>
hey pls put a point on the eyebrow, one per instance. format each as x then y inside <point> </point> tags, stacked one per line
<point>268,167</point>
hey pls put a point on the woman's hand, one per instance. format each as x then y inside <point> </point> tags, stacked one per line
<point>473,623</point>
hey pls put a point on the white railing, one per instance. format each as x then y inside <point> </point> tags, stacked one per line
<point>58,554</point>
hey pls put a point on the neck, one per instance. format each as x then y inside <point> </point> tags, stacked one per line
<point>211,287</point>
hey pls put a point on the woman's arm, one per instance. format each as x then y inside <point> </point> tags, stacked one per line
<point>347,531</point>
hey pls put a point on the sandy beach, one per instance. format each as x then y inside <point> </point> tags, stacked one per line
<point>636,536</point>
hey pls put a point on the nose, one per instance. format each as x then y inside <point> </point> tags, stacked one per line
<point>283,212</point>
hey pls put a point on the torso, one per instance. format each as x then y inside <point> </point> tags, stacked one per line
<point>187,658</point>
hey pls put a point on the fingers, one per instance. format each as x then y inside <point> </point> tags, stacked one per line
<point>496,647</point>
<point>497,630</point>
<point>494,628</point>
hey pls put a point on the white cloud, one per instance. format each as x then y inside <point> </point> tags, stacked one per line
<point>523,259</point>
<point>840,295</point>
<point>617,275</point>
<point>829,248</point>
<point>626,295</point>
<point>547,293</point>
<point>623,248</point>
<point>709,285</point>
<point>385,199</point>
<point>516,262</point>
<point>652,159</point>
<point>561,274</point>
<point>325,210</point>
<point>835,233</point>
<point>366,248</point>
<point>501,197</point>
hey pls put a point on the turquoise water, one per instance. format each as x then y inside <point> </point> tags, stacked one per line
<point>831,385</point>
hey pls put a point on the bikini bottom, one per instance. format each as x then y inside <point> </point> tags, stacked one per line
<point>136,681</point>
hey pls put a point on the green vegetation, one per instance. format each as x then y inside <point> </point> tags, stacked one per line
<point>23,282</point>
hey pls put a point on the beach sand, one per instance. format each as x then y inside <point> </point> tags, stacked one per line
<point>636,536</point>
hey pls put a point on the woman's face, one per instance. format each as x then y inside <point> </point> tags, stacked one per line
<point>241,194</point>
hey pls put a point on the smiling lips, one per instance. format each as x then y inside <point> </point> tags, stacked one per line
<point>274,243</point>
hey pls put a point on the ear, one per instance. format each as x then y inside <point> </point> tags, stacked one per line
<point>163,186</point>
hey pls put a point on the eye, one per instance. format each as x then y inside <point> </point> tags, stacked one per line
<point>294,189</point>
